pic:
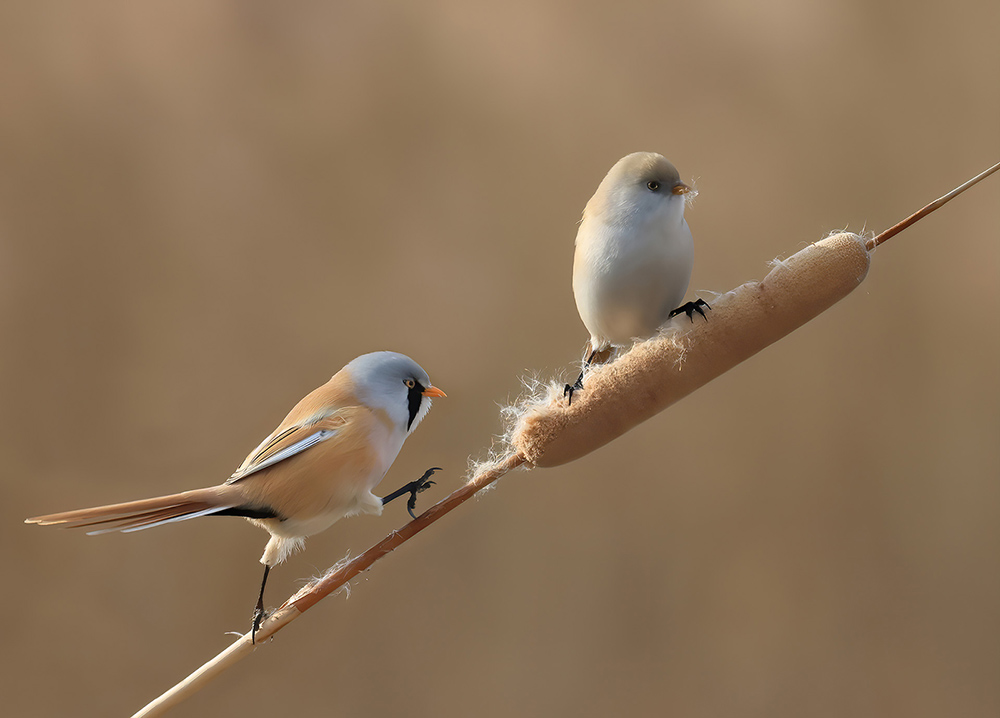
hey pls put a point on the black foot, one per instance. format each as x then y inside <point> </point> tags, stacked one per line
<point>690,308</point>
<point>413,488</point>
<point>570,388</point>
<point>259,615</point>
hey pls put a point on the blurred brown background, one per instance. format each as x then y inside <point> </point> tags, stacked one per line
<point>206,208</point>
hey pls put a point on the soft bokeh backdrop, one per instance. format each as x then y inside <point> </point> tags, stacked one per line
<point>206,208</point>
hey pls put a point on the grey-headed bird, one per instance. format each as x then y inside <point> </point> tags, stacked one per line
<point>320,465</point>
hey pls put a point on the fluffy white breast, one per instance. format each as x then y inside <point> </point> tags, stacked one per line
<point>632,261</point>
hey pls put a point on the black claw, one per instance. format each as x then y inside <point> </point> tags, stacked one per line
<point>258,618</point>
<point>690,308</point>
<point>259,614</point>
<point>413,488</point>
<point>570,388</point>
<point>419,486</point>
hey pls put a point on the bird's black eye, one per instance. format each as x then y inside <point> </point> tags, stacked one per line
<point>653,185</point>
<point>409,383</point>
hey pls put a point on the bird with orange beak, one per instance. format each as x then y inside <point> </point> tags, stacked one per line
<point>634,255</point>
<point>319,466</point>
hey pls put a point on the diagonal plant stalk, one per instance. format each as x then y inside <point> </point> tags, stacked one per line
<point>926,210</point>
<point>333,579</point>
<point>618,396</point>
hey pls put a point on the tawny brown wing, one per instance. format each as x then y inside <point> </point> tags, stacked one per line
<point>290,441</point>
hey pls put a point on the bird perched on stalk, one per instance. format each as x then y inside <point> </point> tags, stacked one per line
<point>634,255</point>
<point>320,465</point>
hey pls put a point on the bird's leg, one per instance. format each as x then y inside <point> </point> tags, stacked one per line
<point>690,308</point>
<point>413,488</point>
<point>569,389</point>
<point>259,614</point>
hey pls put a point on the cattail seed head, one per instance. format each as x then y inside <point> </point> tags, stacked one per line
<point>658,372</point>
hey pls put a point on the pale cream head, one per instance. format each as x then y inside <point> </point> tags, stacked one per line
<point>641,181</point>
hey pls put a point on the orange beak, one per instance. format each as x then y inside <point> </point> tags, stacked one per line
<point>680,189</point>
<point>433,391</point>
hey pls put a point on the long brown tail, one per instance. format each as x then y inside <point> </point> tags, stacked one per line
<point>138,515</point>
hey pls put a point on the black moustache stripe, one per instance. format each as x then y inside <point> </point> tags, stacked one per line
<point>413,398</point>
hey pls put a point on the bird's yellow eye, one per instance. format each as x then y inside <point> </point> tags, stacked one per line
<point>653,185</point>
<point>409,383</point>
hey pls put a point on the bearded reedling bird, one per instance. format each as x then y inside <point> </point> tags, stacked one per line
<point>320,465</point>
<point>634,255</point>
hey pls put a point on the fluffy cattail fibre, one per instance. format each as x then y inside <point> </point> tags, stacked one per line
<point>656,373</point>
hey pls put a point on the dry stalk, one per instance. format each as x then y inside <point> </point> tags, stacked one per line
<point>618,396</point>
<point>335,578</point>
<point>924,211</point>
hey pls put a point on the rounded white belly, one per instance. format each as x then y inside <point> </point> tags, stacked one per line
<point>626,286</point>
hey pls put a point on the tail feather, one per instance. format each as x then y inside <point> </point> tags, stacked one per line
<point>148,524</point>
<point>135,518</point>
<point>138,515</point>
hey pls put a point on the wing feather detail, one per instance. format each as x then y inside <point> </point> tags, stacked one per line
<point>288,442</point>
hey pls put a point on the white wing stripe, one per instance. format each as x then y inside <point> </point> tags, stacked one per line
<point>296,448</point>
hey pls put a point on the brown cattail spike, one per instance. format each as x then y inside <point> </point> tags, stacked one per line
<point>656,373</point>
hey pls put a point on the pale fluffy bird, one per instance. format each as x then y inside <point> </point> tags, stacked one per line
<point>634,254</point>
<point>320,465</point>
